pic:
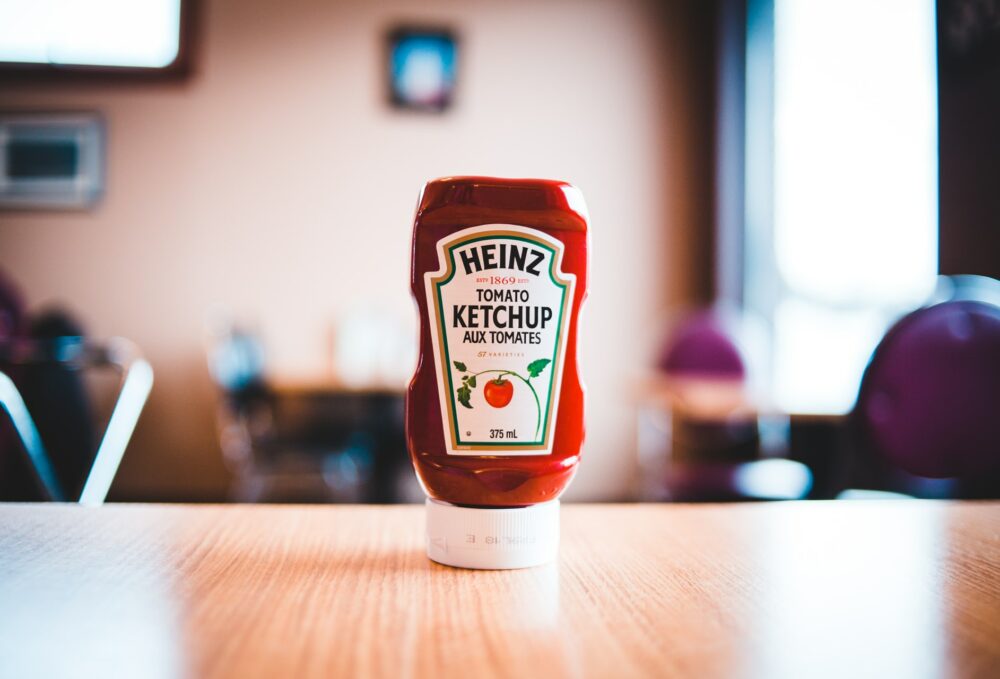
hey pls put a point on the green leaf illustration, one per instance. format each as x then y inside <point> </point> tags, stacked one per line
<point>461,366</point>
<point>535,368</point>
<point>464,394</point>
<point>471,381</point>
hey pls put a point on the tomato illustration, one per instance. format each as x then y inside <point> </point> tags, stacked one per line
<point>498,392</point>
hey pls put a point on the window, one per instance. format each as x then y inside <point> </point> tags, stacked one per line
<point>110,33</point>
<point>841,185</point>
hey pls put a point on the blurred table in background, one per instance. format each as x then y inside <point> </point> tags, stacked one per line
<point>880,589</point>
<point>707,439</point>
<point>320,387</point>
<point>316,441</point>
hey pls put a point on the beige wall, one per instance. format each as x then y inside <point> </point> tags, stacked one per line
<point>271,182</point>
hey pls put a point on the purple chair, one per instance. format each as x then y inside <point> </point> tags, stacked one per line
<point>718,460</point>
<point>929,403</point>
<point>702,347</point>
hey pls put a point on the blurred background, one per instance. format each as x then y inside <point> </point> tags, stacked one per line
<point>206,211</point>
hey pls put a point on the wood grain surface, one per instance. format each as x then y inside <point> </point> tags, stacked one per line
<point>894,589</point>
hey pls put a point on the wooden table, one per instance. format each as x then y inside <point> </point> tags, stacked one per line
<point>896,589</point>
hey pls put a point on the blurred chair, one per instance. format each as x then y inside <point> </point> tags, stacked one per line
<point>706,426</point>
<point>928,412</point>
<point>702,347</point>
<point>13,472</point>
<point>57,443</point>
<point>58,399</point>
<point>306,442</point>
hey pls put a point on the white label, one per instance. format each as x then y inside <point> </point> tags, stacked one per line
<point>499,306</point>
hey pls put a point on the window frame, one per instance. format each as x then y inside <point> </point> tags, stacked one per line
<point>179,68</point>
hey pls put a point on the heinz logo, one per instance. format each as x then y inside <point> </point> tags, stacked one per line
<point>502,256</point>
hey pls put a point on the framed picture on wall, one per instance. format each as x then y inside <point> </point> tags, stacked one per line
<point>51,160</point>
<point>422,64</point>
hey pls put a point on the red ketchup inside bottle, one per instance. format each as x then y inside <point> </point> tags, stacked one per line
<point>495,410</point>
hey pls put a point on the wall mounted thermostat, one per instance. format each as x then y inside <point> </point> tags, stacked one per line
<point>51,160</point>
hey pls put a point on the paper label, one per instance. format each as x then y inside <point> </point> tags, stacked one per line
<point>499,307</point>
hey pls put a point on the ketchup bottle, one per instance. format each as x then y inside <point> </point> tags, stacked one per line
<point>494,413</point>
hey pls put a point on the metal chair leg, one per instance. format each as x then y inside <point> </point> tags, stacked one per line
<point>13,404</point>
<point>137,381</point>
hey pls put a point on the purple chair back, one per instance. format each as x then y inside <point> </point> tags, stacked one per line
<point>701,347</point>
<point>929,402</point>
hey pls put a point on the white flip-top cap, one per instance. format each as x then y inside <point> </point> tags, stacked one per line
<point>516,537</point>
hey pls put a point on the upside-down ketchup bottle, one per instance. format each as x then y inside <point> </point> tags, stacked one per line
<point>494,413</point>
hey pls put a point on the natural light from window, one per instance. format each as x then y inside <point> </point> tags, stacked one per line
<point>855,188</point>
<point>118,33</point>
